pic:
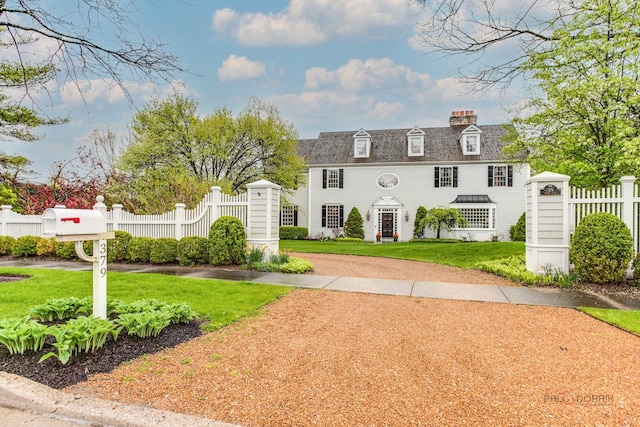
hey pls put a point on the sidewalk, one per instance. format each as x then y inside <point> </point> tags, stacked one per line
<point>24,402</point>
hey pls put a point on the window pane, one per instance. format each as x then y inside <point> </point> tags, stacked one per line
<point>476,217</point>
<point>472,143</point>
<point>446,177</point>
<point>333,178</point>
<point>499,176</point>
<point>287,215</point>
<point>333,216</point>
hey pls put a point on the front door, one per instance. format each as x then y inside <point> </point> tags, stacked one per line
<point>387,224</point>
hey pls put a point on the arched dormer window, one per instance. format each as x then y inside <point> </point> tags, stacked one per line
<point>470,141</point>
<point>415,142</point>
<point>361,144</point>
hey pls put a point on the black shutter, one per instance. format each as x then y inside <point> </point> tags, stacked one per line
<point>280,218</point>
<point>510,176</point>
<point>324,178</point>
<point>436,182</point>
<point>295,216</point>
<point>340,178</point>
<point>324,215</point>
<point>490,176</point>
<point>455,176</point>
<point>341,216</point>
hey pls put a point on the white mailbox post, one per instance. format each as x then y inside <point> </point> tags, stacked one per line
<point>79,225</point>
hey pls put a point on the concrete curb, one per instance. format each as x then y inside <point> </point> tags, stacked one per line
<point>20,393</point>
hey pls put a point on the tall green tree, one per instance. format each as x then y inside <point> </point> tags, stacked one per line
<point>586,122</point>
<point>354,226</point>
<point>579,61</point>
<point>219,149</point>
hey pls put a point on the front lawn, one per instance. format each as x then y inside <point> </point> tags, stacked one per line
<point>222,302</point>
<point>464,255</point>
<point>628,320</point>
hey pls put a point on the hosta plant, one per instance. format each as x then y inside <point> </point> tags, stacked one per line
<point>22,334</point>
<point>146,324</point>
<point>61,309</point>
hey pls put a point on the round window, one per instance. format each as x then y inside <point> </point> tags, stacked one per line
<point>388,180</point>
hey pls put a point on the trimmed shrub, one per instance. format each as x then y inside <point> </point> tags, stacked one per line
<point>227,241</point>
<point>290,232</point>
<point>601,249</point>
<point>139,249</point>
<point>417,228</point>
<point>164,251</point>
<point>117,248</point>
<point>65,250</point>
<point>6,243</point>
<point>25,246</point>
<point>518,231</point>
<point>353,226</point>
<point>636,266</point>
<point>193,250</point>
<point>46,247</point>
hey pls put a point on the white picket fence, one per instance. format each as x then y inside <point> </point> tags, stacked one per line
<point>621,200</point>
<point>178,223</point>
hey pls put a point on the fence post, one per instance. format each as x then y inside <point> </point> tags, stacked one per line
<point>116,211</point>
<point>626,193</point>
<point>179,220</point>
<point>548,234</point>
<point>5,218</point>
<point>263,216</point>
<point>216,200</point>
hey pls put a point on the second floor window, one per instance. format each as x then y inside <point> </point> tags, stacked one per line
<point>332,178</point>
<point>446,176</point>
<point>501,176</point>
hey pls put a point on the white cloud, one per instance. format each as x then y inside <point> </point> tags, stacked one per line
<point>240,68</point>
<point>385,110</point>
<point>308,22</point>
<point>357,75</point>
<point>92,91</point>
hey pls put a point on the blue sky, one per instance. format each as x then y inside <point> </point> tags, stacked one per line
<point>327,64</point>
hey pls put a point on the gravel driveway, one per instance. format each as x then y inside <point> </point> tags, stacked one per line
<point>328,358</point>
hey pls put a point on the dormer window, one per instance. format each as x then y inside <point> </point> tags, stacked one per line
<point>361,144</point>
<point>470,141</point>
<point>415,142</point>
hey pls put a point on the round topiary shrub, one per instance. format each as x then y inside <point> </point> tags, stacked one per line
<point>227,241</point>
<point>25,246</point>
<point>6,243</point>
<point>193,250</point>
<point>518,231</point>
<point>601,249</point>
<point>139,249</point>
<point>353,226</point>
<point>164,251</point>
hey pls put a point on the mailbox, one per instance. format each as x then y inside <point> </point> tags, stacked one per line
<point>73,222</point>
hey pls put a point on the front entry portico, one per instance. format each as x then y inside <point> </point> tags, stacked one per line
<point>387,212</point>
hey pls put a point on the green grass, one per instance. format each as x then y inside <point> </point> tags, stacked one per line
<point>628,320</point>
<point>222,302</point>
<point>464,255</point>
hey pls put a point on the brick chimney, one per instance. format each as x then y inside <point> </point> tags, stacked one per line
<point>463,118</point>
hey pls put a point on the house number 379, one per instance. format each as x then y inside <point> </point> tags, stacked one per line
<point>103,258</point>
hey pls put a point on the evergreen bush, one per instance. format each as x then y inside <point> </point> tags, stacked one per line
<point>117,248</point>
<point>421,212</point>
<point>193,250</point>
<point>46,247</point>
<point>65,250</point>
<point>6,243</point>
<point>25,246</point>
<point>227,241</point>
<point>518,231</point>
<point>353,226</point>
<point>601,249</point>
<point>290,232</point>
<point>139,249</point>
<point>164,251</point>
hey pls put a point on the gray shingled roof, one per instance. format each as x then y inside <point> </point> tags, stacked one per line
<point>390,145</point>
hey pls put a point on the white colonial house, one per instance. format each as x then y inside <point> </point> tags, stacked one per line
<point>388,174</point>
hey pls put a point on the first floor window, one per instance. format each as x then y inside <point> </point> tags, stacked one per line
<point>479,218</point>
<point>289,215</point>
<point>333,216</point>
